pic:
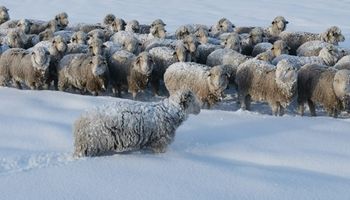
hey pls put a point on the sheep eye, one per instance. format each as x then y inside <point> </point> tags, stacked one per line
<point>90,47</point>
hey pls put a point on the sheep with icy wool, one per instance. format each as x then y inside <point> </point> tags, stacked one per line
<point>260,81</point>
<point>207,83</point>
<point>128,41</point>
<point>226,57</point>
<point>313,48</point>
<point>294,40</point>
<point>15,39</point>
<point>222,26</point>
<point>126,125</point>
<point>23,66</point>
<point>278,25</point>
<point>83,72</point>
<point>4,15</point>
<point>117,25</point>
<point>278,48</point>
<point>254,37</point>
<point>328,56</point>
<point>343,63</point>
<point>130,72</point>
<point>328,87</point>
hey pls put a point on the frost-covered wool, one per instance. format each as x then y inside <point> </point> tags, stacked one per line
<point>117,25</point>
<point>4,15</point>
<point>328,87</point>
<point>127,125</point>
<point>222,26</point>
<point>207,83</point>
<point>15,39</point>
<point>255,36</point>
<point>132,26</point>
<point>278,25</point>
<point>260,81</point>
<point>158,31</point>
<point>204,50</point>
<point>226,57</point>
<point>231,41</point>
<point>128,41</point>
<point>84,72</point>
<point>79,37</point>
<point>261,47</point>
<point>328,56</point>
<point>312,48</point>
<point>23,66</point>
<point>343,63</point>
<point>23,25</point>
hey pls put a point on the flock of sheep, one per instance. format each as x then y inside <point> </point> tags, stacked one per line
<point>196,65</point>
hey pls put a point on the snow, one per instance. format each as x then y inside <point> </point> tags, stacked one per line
<point>217,154</point>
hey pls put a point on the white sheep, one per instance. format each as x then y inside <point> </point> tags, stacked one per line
<point>226,57</point>
<point>343,63</point>
<point>23,66</point>
<point>130,72</point>
<point>328,56</point>
<point>4,15</point>
<point>126,125</point>
<point>260,81</point>
<point>278,25</point>
<point>128,41</point>
<point>313,48</point>
<point>83,72</point>
<point>207,83</point>
<point>328,87</point>
<point>255,36</point>
<point>222,26</point>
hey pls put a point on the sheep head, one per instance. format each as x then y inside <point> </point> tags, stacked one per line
<point>224,25</point>
<point>330,55</point>
<point>232,41</point>
<point>341,86</point>
<point>4,15</point>
<point>118,25</point>
<point>94,34</point>
<point>256,35</point>
<point>158,22</point>
<point>24,25</point>
<point>182,32</point>
<point>190,43</point>
<point>333,35</point>
<point>158,31</point>
<point>143,64</point>
<point>79,37</point>
<point>286,79</point>
<point>62,20</point>
<point>16,39</point>
<point>279,24</point>
<point>187,101</point>
<point>133,26</point>
<point>280,47</point>
<point>109,19</point>
<point>217,78</point>
<point>96,47</point>
<point>132,45</point>
<point>58,45</point>
<point>202,35</point>
<point>40,58</point>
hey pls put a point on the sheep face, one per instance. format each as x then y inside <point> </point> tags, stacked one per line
<point>280,47</point>
<point>109,19</point>
<point>218,80</point>
<point>95,34</point>
<point>132,45</point>
<point>341,86</point>
<point>279,23</point>
<point>24,25</point>
<point>46,35</point>
<point>286,79</point>
<point>118,25</point>
<point>62,20</point>
<point>224,25</point>
<point>190,43</point>
<point>60,44</point>
<point>330,55</point>
<point>40,58</point>
<point>79,37</point>
<point>133,26</point>
<point>16,39</point>
<point>182,32</point>
<point>144,64</point>
<point>96,47</point>
<point>256,36</point>
<point>4,15</point>
<point>187,101</point>
<point>333,35</point>
<point>202,35</point>
<point>53,26</point>
<point>181,53</point>
<point>233,41</point>
<point>158,31</point>
<point>158,22</point>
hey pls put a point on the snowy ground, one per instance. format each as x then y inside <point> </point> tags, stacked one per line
<point>216,155</point>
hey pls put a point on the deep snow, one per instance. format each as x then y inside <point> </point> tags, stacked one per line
<point>216,155</point>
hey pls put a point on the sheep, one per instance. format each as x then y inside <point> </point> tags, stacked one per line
<point>260,81</point>
<point>16,39</point>
<point>23,66</point>
<point>204,50</point>
<point>222,26</point>
<point>343,63</point>
<point>108,19</point>
<point>278,25</point>
<point>132,26</point>
<point>130,72</point>
<point>183,31</point>
<point>117,25</point>
<point>226,57</point>
<point>158,31</point>
<point>4,15</point>
<point>62,20</point>
<point>313,48</point>
<point>255,36</point>
<point>207,83</point>
<point>79,37</point>
<point>278,48</point>
<point>294,40</point>
<point>325,86</point>
<point>163,57</point>
<point>158,22</point>
<point>328,56</point>
<point>84,72</point>
<point>126,125</point>
<point>84,27</point>
<point>232,41</point>
<point>11,25</point>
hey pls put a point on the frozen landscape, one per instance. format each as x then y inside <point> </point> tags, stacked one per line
<point>223,153</point>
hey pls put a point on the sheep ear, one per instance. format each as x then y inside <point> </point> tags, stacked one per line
<point>272,48</point>
<point>53,41</point>
<point>273,22</point>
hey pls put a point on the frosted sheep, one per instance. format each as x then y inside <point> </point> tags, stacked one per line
<point>207,83</point>
<point>125,125</point>
<point>232,41</point>
<point>130,72</point>
<point>117,25</point>
<point>128,41</point>
<point>226,57</point>
<point>4,15</point>
<point>62,20</point>
<point>294,40</point>
<point>328,56</point>
<point>79,37</point>
<point>183,31</point>
<point>23,66</point>
<point>278,48</point>
<point>255,37</point>
<point>83,72</point>
<point>23,25</point>
<point>343,63</point>
<point>222,26</point>
<point>313,48</point>
<point>278,25</point>
<point>15,39</point>
<point>132,26</point>
<point>108,19</point>
<point>328,87</point>
<point>158,31</point>
<point>204,50</point>
<point>260,81</point>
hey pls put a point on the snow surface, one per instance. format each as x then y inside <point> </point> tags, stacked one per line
<point>216,155</point>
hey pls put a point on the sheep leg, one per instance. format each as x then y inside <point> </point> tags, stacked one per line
<point>274,108</point>
<point>245,103</point>
<point>155,87</point>
<point>301,108</point>
<point>311,107</point>
<point>159,145</point>
<point>18,85</point>
<point>248,101</point>
<point>281,110</point>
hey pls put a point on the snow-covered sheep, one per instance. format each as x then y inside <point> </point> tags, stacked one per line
<point>226,57</point>
<point>222,26</point>
<point>15,39</point>
<point>118,25</point>
<point>278,25</point>
<point>38,26</point>
<point>260,81</point>
<point>294,40</point>
<point>132,26</point>
<point>232,41</point>
<point>128,41</point>
<point>158,31</point>
<point>23,66</point>
<point>255,36</point>
<point>130,72</point>
<point>183,31</point>
<point>207,83</point>
<point>343,63</point>
<point>83,72</point>
<point>108,19</point>
<point>278,48</point>
<point>313,48</point>
<point>328,87</point>
<point>11,25</point>
<point>126,125</point>
<point>62,20</point>
<point>79,37</point>
<point>204,50</point>
<point>4,15</point>
<point>328,56</point>
<point>157,22</point>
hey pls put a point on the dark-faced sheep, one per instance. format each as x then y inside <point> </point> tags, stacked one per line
<point>83,72</point>
<point>328,87</point>
<point>127,125</point>
<point>23,66</point>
